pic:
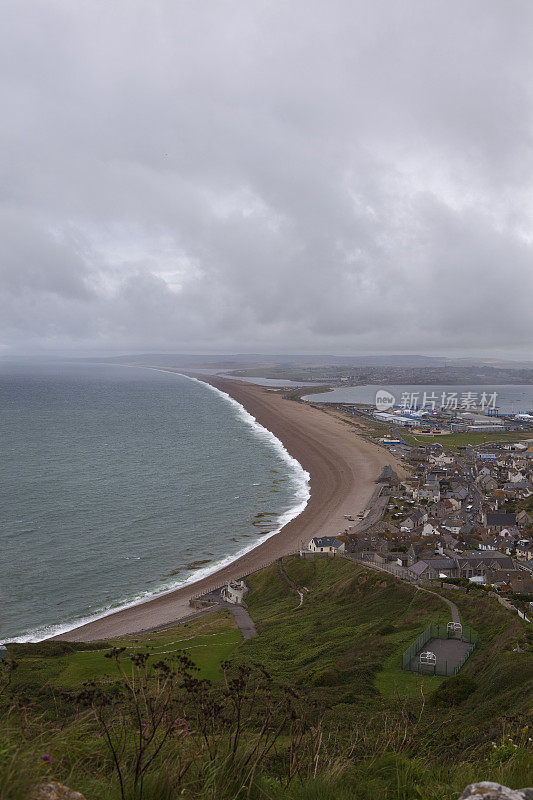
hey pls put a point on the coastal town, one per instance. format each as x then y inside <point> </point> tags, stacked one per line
<point>266,400</point>
<point>461,516</point>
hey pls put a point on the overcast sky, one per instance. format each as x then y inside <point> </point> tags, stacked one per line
<point>287,175</point>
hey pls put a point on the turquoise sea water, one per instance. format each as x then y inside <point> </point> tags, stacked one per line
<point>118,483</point>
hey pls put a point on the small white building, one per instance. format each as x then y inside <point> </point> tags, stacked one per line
<point>326,544</point>
<point>396,419</point>
<point>234,591</point>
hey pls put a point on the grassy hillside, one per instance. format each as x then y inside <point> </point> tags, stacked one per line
<point>452,441</point>
<point>328,711</point>
<point>352,627</point>
<point>209,640</point>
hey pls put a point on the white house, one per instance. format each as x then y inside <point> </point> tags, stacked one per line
<point>429,530</point>
<point>441,459</point>
<point>234,591</point>
<point>326,544</point>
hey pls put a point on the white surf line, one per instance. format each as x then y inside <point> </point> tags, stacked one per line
<point>49,632</point>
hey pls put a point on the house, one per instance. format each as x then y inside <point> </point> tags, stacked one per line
<point>487,482</point>
<point>380,558</point>
<point>479,563</point>
<point>443,566</point>
<point>419,552</point>
<point>326,544</point>
<point>361,546</point>
<point>458,491</point>
<point>399,558</point>
<point>449,541</point>
<point>500,578</point>
<point>451,503</point>
<point>524,550</point>
<point>498,520</point>
<point>433,568</point>
<point>490,542</point>
<point>523,520</point>
<point>509,533</point>
<point>416,518</point>
<point>428,491</point>
<point>441,459</point>
<point>519,489</point>
<point>453,524</point>
<point>495,576</point>
<point>409,486</point>
<point>234,592</point>
<point>429,530</point>
<point>515,476</point>
<point>483,472</point>
<point>421,570</point>
<point>522,585</point>
<point>438,510</point>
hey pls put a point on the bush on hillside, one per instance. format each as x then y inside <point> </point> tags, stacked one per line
<point>50,648</point>
<point>386,629</point>
<point>454,691</point>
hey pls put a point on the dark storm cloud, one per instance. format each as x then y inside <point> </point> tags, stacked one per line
<point>320,176</point>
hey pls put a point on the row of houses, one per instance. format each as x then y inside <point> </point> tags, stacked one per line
<point>456,516</point>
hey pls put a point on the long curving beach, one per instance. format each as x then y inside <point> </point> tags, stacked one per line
<point>343,468</point>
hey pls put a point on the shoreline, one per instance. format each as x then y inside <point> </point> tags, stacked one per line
<point>342,466</point>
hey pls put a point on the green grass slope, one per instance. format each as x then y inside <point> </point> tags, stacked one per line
<point>208,640</point>
<point>371,730</point>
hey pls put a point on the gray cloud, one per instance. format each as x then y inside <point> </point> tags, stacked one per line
<point>335,176</point>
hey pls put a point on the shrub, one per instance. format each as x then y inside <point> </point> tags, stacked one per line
<point>386,629</point>
<point>325,676</point>
<point>50,648</point>
<point>454,691</point>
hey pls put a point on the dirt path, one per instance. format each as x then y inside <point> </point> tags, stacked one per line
<point>453,608</point>
<point>243,620</point>
<point>284,574</point>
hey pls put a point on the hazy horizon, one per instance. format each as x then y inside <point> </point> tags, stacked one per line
<point>252,358</point>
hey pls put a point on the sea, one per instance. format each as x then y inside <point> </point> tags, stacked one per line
<point>508,398</point>
<point>118,483</point>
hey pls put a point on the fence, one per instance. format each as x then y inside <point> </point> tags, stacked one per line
<point>417,645</point>
<point>509,606</point>
<point>394,569</point>
<point>442,667</point>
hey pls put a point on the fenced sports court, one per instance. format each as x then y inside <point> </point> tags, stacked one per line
<point>440,650</point>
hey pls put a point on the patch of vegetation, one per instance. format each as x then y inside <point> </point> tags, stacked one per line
<point>453,691</point>
<point>62,665</point>
<point>453,441</point>
<point>298,392</point>
<point>336,636</point>
<point>316,706</point>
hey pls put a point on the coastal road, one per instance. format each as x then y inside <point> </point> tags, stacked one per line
<point>378,505</point>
